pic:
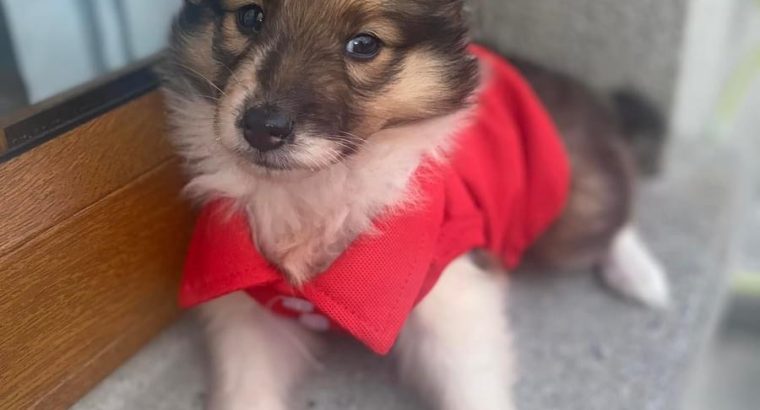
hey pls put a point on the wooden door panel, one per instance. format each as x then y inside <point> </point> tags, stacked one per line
<point>53,181</point>
<point>93,239</point>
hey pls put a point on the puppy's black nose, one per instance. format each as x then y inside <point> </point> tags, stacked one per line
<point>266,128</point>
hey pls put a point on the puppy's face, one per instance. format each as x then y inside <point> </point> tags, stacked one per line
<point>302,84</point>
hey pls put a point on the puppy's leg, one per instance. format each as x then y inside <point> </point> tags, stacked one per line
<point>632,270</point>
<point>256,357</point>
<point>456,347</point>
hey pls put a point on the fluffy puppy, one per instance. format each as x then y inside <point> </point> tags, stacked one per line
<point>313,116</point>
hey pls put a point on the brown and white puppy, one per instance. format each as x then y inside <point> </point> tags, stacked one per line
<point>313,115</point>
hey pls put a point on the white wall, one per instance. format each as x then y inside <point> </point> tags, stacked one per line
<point>723,39</point>
<point>705,64</point>
<point>51,48</point>
<point>150,23</point>
<point>51,39</point>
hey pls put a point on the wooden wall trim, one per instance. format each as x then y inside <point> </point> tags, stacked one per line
<point>34,125</point>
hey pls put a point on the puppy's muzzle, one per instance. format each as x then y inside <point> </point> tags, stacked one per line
<point>267,128</point>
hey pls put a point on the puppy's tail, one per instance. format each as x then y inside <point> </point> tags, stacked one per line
<point>644,128</point>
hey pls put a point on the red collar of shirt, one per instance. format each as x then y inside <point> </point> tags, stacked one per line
<point>502,188</point>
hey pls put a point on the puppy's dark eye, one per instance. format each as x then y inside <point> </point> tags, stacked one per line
<point>251,19</point>
<point>363,47</point>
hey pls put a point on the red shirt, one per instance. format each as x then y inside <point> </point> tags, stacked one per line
<point>505,183</point>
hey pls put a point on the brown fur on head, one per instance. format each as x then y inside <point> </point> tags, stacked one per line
<point>297,63</point>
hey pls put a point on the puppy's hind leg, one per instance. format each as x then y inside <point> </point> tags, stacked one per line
<point>256,357</point>
<point>632,270</point>
<point>456,346</point>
